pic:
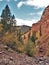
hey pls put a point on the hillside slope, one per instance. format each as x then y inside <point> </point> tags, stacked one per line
<point>10,57</point>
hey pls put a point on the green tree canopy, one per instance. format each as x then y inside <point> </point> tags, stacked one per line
<point>7,19</point>
<point>6,13</point>
<point>33,38</point>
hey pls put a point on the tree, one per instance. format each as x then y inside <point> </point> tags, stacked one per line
<point>19,35</point>
<point>3,13</point>
<point>7,19</point>
<point>13,21</point>
<point>6,13</point>
<point>13,17</point>
<point>30,48</point>
<point>6,16</point>
<point>33,38</point>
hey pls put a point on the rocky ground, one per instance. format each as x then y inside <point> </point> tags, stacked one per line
<point>9,57</point>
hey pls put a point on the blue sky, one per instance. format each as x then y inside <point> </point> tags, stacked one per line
<point>26,12</point>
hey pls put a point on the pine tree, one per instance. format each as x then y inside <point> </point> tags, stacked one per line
<point>6,13</point>
<point>13,17</point>
<point>3,13</point>
<point>7,19</point>
<point>33,38</point>
<point>13,21</point>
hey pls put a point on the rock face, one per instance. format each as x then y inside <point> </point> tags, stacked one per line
<point>42,26</point>
<point>44,39</point>
<point>43,22</point>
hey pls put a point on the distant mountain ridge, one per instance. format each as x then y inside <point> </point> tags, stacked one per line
<point>23,28</point>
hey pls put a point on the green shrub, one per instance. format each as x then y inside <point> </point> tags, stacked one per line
<point>30,48</point>
<point>12,45</point>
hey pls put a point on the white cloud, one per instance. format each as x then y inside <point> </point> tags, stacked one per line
<point>38,3</point>
<point>25,22</point>
<point>38,13</point>
<point>20,4</point>
<point>31,14</point>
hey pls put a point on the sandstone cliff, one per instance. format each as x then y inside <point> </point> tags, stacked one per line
<point>42,31</point>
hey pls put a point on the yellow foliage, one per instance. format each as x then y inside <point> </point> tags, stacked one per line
<point>1,27</point>
<point>38,34</point>
<point>21,48</point>
<point>8,37</point>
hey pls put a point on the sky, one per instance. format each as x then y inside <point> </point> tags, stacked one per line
<point>26,12</point>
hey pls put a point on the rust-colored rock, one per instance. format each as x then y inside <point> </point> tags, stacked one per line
<point>43,27</point>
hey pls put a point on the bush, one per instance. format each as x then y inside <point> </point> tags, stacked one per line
<point>12,45</point>
<point>33,38</point>
<point>30,48</point>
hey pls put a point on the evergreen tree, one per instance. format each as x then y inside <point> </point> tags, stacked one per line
<point>33,38</point>
<point>13,17</point>
<point>3,13</point>
<point>13,21</point>
<point>6,13</point>
<point>7,19</point>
